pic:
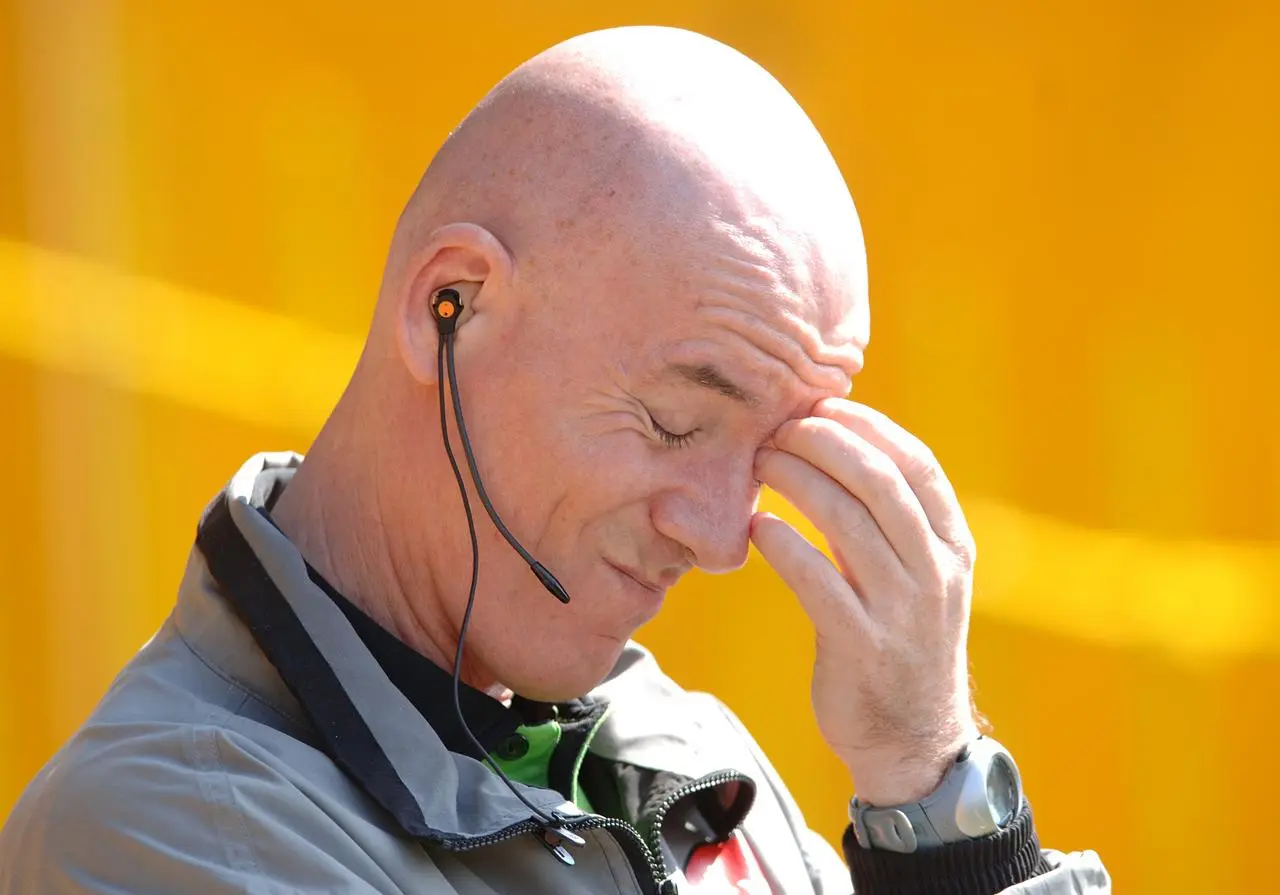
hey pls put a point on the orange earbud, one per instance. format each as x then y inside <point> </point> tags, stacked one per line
<point>446,305</point>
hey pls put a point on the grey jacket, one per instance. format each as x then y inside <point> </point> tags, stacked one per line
<point>200,771</point>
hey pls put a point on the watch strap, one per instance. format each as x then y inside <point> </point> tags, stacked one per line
<point>957,810</point>
<point>991,864</point>
<point>902,829</point>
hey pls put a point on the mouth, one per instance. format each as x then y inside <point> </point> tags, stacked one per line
<point>636,578</point>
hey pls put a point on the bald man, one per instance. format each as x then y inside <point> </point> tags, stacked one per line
<point>625,294</point>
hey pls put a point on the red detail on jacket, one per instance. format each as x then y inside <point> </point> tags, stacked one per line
<point>726,868</point>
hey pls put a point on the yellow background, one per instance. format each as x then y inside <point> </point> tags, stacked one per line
<point>1072,212</point>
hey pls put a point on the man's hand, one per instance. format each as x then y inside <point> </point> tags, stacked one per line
<point>890,683</point>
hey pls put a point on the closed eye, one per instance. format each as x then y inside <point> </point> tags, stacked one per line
<point>670,439</point>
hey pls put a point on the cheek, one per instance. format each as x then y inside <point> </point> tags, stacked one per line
<point>603,475</point>
<point>553,457</point>
<point>548,474</point>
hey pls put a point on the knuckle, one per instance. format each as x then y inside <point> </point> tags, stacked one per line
<point>814,578</point>
<point>926,466</point>
<point>809,571</point>
<point>935,579</point>
<point>964,551</point>
<point>878,464</point>
<point>849,513</point>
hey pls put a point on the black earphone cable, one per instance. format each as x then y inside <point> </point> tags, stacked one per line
<point>548,580</point>
<point>447,340</point>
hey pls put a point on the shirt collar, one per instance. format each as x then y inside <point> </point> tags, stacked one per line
<point>428,686</point>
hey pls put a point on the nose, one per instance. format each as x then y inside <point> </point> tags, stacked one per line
<point>709,512</point>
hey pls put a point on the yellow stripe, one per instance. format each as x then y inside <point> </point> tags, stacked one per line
<point>1194,600</point>
<point>145,335</point>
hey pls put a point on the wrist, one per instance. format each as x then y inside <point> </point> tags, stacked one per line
<point>902,776</point>
<point>979,795</point>
<point>901,783</point>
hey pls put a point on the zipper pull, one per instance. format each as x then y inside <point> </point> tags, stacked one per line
<point>553,839</point>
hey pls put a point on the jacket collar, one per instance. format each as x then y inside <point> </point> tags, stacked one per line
<point>251,606</point>
<point>362,720</point>
<point>428,686</point>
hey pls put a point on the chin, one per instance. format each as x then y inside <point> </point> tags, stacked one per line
<point>589,663</point>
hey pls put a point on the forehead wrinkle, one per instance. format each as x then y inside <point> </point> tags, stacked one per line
<point>758,288</point>
<point>804,355</point>
<point>760,241</point>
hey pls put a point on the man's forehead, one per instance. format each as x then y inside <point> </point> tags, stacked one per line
<point>743,372</point>
<point>748,319</point>
<point>802,275</point>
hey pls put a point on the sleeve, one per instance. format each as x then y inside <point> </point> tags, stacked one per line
<point>1008,863</point>
<point>180,809</point>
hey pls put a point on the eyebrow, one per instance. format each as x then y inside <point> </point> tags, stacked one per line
<point>709,377</point>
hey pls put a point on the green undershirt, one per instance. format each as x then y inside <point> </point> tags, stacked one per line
<point>532,767</point>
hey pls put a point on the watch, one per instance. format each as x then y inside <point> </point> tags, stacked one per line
<point>979,795</point>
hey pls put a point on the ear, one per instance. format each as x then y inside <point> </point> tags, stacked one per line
<point>465,257</point>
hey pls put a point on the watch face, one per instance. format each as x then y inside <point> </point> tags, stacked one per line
<point>1002,790</point>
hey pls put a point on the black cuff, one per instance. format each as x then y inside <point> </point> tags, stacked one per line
<point>974,867</point>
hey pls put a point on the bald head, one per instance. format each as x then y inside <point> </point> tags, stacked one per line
<point>659,265</point>
<point>636,141</point>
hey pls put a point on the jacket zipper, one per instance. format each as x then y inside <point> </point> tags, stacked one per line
<point>638,848</point>
<point>659,814</point>
<point>654,880</point>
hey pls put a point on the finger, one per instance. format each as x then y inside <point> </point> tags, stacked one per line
<point>833,606</point>
<point>871,565</point>
<point>919,467</point>
<point>870,475</point>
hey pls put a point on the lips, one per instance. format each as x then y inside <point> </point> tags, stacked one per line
<point>639,579</point>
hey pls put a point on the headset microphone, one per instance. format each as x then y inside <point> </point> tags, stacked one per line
<point>446,306</point>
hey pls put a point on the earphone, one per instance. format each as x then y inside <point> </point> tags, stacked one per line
<point>446,308</point>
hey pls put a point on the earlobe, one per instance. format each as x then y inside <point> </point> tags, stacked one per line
<point>465,259</point>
